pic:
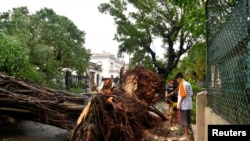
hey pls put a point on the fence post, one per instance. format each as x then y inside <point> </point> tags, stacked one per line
<point>201,102</point>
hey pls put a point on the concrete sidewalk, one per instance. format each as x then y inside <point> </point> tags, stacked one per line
<point>163,132</point>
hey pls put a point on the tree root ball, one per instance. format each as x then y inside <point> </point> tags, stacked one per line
<point>125,113</point>
<point>145,84</point>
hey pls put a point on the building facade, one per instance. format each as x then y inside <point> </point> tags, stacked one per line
<point>110,65</point>
<point>101,66</point>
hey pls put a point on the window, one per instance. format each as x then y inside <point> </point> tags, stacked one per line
<point>111,65</point>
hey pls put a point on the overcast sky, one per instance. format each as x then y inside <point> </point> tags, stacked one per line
<point>99,28</point>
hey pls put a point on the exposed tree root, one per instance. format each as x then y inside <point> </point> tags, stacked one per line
<point>125,113</point>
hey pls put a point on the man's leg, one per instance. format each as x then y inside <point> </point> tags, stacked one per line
<point>186,121</point>
<point>175,120</point>
<point>169,108</point>
<point>185,128</point>
<point>172,119</point>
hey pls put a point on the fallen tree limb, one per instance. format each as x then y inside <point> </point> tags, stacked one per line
<point>21,99</point>
<point>153,109</point>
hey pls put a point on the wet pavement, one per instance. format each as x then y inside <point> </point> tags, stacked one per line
<point>32,131</point>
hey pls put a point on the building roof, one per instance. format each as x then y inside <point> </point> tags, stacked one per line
<point>95,66</point>
<point>106,55</point>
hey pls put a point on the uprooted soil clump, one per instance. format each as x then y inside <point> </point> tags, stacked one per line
<point>125,112</point>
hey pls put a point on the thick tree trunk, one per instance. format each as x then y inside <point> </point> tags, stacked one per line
<point>23,100</point>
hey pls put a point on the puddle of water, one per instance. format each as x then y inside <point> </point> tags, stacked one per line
<point>33,131</point>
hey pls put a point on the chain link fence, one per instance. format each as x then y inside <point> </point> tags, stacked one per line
<point>228,59</point>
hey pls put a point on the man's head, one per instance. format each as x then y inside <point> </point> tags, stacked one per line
<point>178,77</point>
<point>171,83</point>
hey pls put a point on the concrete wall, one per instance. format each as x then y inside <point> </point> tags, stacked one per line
<point>204,117</point>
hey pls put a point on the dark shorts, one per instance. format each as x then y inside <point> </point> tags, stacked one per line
<point>185,117</point>
<point>168,102</point>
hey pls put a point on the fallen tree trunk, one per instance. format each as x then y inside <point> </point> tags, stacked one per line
<point>125,112</point>
<point>23,100</point>
<point>122,113</point>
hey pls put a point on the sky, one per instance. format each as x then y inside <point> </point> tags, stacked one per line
<point>99,28</point>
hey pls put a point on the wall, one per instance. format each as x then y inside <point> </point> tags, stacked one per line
<point>204,117</point>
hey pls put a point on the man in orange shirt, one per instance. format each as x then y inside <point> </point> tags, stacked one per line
<point>184,104</point>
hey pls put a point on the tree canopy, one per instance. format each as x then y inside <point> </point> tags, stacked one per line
<point>178,24</point>
<point>38,46</point>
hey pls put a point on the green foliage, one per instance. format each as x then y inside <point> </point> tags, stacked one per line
<point>14,59</point>
<point>139,22</point>
<point>75,90</point>
<point>193,115</point>
<point>193,66</point>
<point>195,86</point>
<point>38,46</point>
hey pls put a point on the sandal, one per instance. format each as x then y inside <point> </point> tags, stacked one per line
<point>184,138</point>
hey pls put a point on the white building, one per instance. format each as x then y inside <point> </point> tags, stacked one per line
<point>101,66</point>
<point>94,71</point>
<point>110,65</point>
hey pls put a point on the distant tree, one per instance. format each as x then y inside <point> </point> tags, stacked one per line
<point>15,59</point>
<point>50,41</point>
<point>177,23</point>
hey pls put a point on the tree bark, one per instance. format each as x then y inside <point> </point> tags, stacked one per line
<point>23,100</point>
<point>123,113</point>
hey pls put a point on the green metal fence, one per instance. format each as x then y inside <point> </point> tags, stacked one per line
<point>228,59</point>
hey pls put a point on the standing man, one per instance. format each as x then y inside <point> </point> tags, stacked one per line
<point>169,92</point>
<point>184,104</point>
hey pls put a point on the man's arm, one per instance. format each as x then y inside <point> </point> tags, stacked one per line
<point>182,95</point>
<point>169,94</point>
<point>181,100</point>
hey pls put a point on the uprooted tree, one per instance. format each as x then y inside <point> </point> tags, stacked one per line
<point>124,113</point>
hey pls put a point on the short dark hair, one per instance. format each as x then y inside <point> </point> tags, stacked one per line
<point>178,75</point>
